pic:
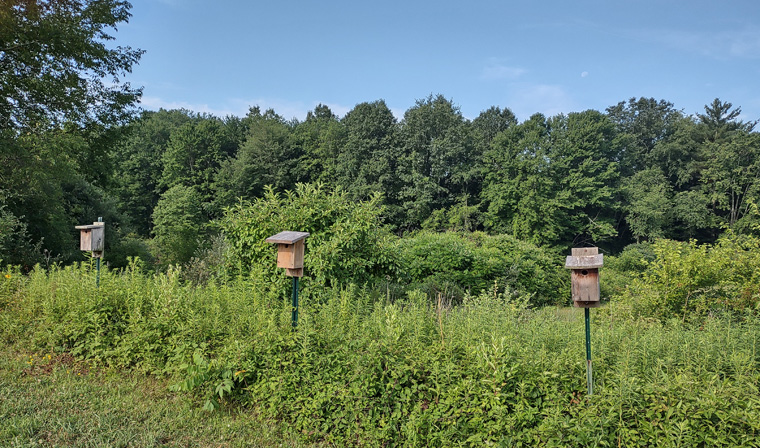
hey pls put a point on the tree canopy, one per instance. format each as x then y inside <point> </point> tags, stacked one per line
<point>56,66</point>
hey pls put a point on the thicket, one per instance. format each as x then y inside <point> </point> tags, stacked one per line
<point>349,243</point>
<point>689,281</point>
<point>453,264</point>
<point>361,370</point>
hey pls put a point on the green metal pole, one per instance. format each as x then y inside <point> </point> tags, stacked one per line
<point>294,315</point>
<point>589,374</point>
<point>97,264</point>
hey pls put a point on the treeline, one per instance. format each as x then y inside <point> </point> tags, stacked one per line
<point>641,170</point>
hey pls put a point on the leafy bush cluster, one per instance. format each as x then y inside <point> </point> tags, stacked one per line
<point>347,242</point>
<point>688,281</point>
<point>350,244</point>
<point>456,263</point>
<point>360,371</point>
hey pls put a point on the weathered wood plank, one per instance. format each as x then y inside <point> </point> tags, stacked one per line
<point>287,237</point>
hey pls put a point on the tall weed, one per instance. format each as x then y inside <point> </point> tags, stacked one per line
<point>363,370</point>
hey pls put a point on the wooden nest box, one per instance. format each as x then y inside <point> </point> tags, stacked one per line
<point>92,238</point>
<point>584,264</point>
<point>290,249</point>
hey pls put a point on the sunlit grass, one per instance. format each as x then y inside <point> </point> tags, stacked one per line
<point>53,400</point>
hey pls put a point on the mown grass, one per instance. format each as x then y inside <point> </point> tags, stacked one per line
<point>52,400</point>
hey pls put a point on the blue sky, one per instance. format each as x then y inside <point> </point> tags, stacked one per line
<point>547,56</point>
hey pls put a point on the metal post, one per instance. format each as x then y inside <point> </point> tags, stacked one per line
<point>97,263</point>
<point>589,374</point>
<point>294,315</point>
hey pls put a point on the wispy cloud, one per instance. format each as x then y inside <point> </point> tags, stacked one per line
<point>239,107</point>
<point>497,69</point>
<point>548,99</point>
<point>153,103</point>
<point>739,43</point>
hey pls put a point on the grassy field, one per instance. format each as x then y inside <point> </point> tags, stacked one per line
<point>52,400</point>
<point>94,368</point>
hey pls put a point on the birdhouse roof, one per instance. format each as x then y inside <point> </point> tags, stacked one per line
<point>94,225</point>
<point>584,262</point>
<point>287,237</point>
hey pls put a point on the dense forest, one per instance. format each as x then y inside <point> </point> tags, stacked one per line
<point>640,170</point>
<point>75,147</point>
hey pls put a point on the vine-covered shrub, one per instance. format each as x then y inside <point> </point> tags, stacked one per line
<point>348,241</point>
<point>455,263</point>
<point>688,281</point>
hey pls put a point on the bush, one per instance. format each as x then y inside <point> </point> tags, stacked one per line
<point>348,241</point>
<point>454,263</point>
<point>16,246</point>
<point>178,225</point>
<point>619,271</point>
<point>689,281</point>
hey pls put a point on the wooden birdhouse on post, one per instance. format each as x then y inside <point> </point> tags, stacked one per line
<point>584,264</point>
<point>290,250</point>
<point>92,238</point>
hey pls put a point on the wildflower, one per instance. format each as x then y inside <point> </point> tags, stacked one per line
<point>7,275</point>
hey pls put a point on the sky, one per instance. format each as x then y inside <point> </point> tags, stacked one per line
<point>552,56</point>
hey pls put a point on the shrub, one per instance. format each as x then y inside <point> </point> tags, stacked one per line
<point>178,225</point>
<point>687,280</point>
<point>453,263</point>
<point>348,241</point>
<point>619,271</point>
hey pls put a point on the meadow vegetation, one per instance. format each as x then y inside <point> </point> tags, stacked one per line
<point>378,364</point>
<point>434,302</point>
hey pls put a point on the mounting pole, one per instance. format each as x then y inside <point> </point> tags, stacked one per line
<point>584,264</point>
<point>294,312</point>
<point>97,264</point>
<point>589,373</point>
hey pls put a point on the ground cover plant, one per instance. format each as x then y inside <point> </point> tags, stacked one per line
<point>53,400</point>
<point>363,370</point>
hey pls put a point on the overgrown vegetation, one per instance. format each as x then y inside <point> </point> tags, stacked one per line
<point>51,399</point>
<point>689,281</point>
<point>363,370</point>
<point>417,328</point>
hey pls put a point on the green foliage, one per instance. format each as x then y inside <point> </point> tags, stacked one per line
<point>321,138</point>
<point>689,281</point>
<point>267,157</point>
<point>348,242</point>
<point>361,372</point>
<point>193,156</point>
<point>493,121</point>
<point>178,224</point>
<point>56,65</point>
<point>439,162</point>
<point>620,270</point>
<point>16,245</point>
<point>138,164</point>
<point>648,203</point>
<point>452,263</point>
<point>369,161</point>
<point>552,181</point>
